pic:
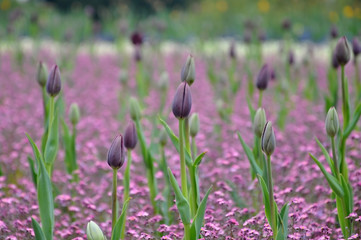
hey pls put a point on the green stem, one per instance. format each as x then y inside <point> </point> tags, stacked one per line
<point>335,163</point>
<point>186,134</point>
<point>51,114</point>
<point>187,232</point>
<point>260,98</point>
<point>44,105</point>
<point>114,198</point>
<point>194,148</point>
<point>126,187</point>
<point>357,81</point>
<point>271,199</point>
<point>345,110</point>
<point>182,160</point>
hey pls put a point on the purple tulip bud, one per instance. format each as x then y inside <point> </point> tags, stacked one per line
<point>286,24</point>
<point>130,136</point>
<point>334,32</point>
<point>342,51</point>
<point>263,77</point>
<point>247,37</point>
<point>232,50</point>
<point>136,38</point>
<point>53,85</point>
<point>291,58</point>
<point>182,102</point>
<point>262,36</point>
<point>116,155</point>
<point>334,61</point>
<point>188,73</point>
<point>356,47</point>
<point>272,73</point>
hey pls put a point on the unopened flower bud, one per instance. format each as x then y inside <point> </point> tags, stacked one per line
<point>356,47</point>
<point>116,155</point>
<point>42,74</point>
<point>130,136</point>
<point>334,61</point>
<point>194,125</point>
<point>182,102</point>
<point>263,77</point>
<point>291,58</point>
<point>53,85</point>
<point>247,37</point>
<point>232,50</point>
<point>74,113</point>
<point>259,122</point>
<point>136,38</point>
<point>93,231</point>
<point>188,73</point>
<point>286,24</point>
<point>163,137</point>
<point>334,32</point>
<point>342,51</point>
<point>268,139</point>
<point>332,123</point>
<point>135,112</point>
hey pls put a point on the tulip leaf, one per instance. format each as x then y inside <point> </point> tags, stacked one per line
<point>351,126</point>
<point>252,111</point>
<point>199,217</point>
<point>37,155</point>
<point>67,145</point>
<point>39,235</point>
<point>328,158</point>
<point>341,215</point>
<point>33,171</point>
<point>198,159</point>
<point>283,218</point>
<point>181,201</point>
<point>239,202</point>
<point>52,143</point>
<point>332,181</point>
<point>142,143</point>
<point>250,156</point>
<point>118,227</point>
<point>266,200</point>
<point>348,195</point>
<point>175,141</point>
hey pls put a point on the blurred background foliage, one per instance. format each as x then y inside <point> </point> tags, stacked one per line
<point>179,20</point>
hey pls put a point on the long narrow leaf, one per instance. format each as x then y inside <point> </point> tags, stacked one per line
<point>199,217</point>
<point>118,228</point>
<point>327,156</point>
<point>250,156</point>
<point>347,196</point>
<point>33,171</point>
<point>198,159</point>
<point>39,235</point>
<point>353,122</point>
<point>67,146</point>
<point>332,181</point>
<point>52,143</point>
<point>181,201</point>
<point>266,201</point>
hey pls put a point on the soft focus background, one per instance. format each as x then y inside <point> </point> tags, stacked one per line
<point>180,20</point>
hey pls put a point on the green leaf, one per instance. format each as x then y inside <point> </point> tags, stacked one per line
<point>252,111</point>
<point>39,235</point>
<point>52,143</point>
<point>351,126</point>
<point>250,156</point>
<point>37,155</point>
<point>332,181</point>
<point>341,216</point>
<point>67,145</point>
<point>142,142</point>
<point>327,156</point>
<point>283,228</point>
<point>175,141</point>
<point>118,227</point>
<point>33,171</point>
<point>239,202</point>
<point>266,201</point>
<point>347,197</point>
<point>199,217</point>
<point>181,201</point>
<point>198,159</point>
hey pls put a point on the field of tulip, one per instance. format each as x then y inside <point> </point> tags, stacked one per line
<point>148,142</point>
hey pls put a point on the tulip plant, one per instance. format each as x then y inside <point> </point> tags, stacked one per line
<point>187,200</point>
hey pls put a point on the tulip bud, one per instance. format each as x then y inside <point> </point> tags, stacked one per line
<point>262,78</point>
<point>130,136</point>
<point>182,102</point>
<point>342,51</point>
<point>232,50</point>
<point>136,38</point>
<point>286,24</point>
<point>163,137</point>
<point>135,112</point>
<point>262,36</point>
<point>53,85</point>
<point>272,74</point>
<point>334,32</point>
<point>123,77</point>
<point>259,122</point>
<point>188,71</point>
<point>247,37</point>
<point>268,139</point>
<point>334,61</point>
<point>332,123</point>
<point>291,58</point>
<point>74,114</point>
<point>194,125</point>
<point>93,231</point>
<point>163,82</point>
<point>116,155</point>
<point>356,47</point>
<point>41,74</point>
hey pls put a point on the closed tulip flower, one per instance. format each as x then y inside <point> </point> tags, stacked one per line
<point>342,51</point>
<point>332,122</point>
<point>263,77</point>
<point>188,71</point>
<point>130,136</point>
<point>116,155</point>
<point>182,102</point>
<point>356,47</point>
<point>259,122</point>
<point>268,139</point>
<point>93,232</point>
<point>41,75</point>
<point>53,85</point>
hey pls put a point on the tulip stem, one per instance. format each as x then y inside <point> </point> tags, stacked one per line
<point>114,198</point>
<point>271,199</point>
<point>335,163</point>
<point>346,117</point>
<point>260,98</point>
<point>44,105</point>
<point>126,187</point>
<point>182,160</point>
<point>51,114</point>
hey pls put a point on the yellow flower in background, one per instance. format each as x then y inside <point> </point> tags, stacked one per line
<point>263,6</point>
<point>333,16</point>
<point>5,5</point>
<point>222,6</point>
<point>348,11</point>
